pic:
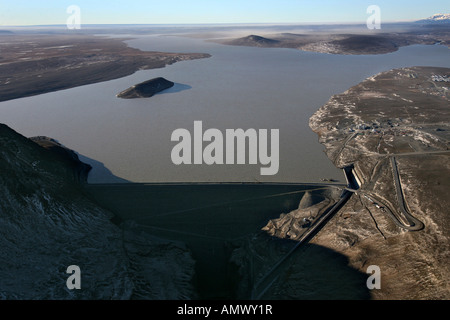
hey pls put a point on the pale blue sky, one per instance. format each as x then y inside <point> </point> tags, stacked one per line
<point>47,12</point>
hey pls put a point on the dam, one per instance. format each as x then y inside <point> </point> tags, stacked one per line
<point>212,219</point>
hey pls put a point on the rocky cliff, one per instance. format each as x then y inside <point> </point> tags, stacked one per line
<point>48,223</point>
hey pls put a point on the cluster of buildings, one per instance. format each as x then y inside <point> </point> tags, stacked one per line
<point>439,78</point>
<point>390,127</point>
<point>362,126</point>
<point>373,127</point>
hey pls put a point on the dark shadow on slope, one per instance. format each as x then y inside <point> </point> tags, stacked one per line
<point>318,273</point>
<point>86,169</point>
<point>177,87</point>
<point>99,172</point>
<point>221,225</point>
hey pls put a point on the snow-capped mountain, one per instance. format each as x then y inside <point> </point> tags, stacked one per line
<point>437,18</point>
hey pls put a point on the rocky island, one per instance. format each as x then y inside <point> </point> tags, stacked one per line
<point>146,89</point>
<point>393,129</point>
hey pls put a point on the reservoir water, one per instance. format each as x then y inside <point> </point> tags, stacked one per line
<point>238,87</point>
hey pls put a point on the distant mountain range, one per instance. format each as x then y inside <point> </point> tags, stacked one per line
<point>437,18</point>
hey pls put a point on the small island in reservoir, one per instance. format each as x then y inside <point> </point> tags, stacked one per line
<point>146,89</point>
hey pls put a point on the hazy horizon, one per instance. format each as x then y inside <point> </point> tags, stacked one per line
<point>206,24</point>
<point>202,12</point>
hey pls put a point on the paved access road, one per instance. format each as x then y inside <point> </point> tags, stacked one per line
<point>414,224</point>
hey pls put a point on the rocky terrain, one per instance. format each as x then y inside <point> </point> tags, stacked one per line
<point>69,157</point>
<point>48,223</point>
<point>36,64</point>
<point>253,41</point>
<point>402,114</point>
<point>146,89</point>
<point>356,42</point>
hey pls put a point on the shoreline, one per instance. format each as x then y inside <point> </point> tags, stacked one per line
<point>33,65</point>
<point>353,42</point>
<point>399,146</point>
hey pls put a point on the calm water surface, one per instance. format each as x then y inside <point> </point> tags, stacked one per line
<point>238,87</point>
